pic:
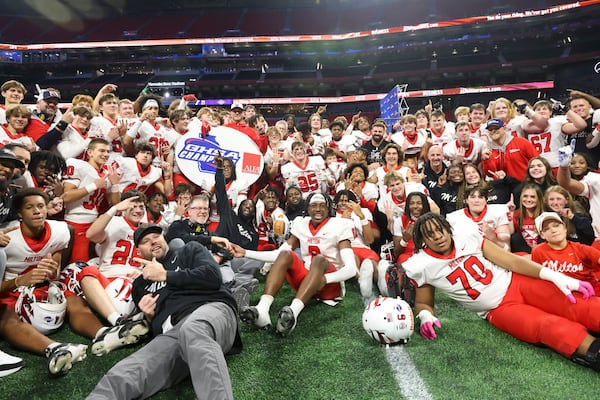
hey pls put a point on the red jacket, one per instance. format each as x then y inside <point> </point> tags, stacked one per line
<point>511,158</point>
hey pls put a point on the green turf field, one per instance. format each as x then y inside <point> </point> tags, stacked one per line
<point>329,356</point>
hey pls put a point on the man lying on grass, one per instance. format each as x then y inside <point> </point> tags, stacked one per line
<point>514,294</point>
<point>327,261</point>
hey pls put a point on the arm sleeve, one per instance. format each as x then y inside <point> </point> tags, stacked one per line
<point>267,256</point>
<point>202,272</point>
<point>49,139</point>
<point>348,271</point>
<point>222,199</point>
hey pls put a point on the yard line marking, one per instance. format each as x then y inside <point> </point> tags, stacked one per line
<point>407,376</point>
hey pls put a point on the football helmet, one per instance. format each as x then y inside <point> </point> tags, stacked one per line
<point>47,314</point>
<point>68,277</point>
<point>120,293</point>
<point>388,320</point>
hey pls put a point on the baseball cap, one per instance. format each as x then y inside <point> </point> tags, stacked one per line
<point>495,123</point>
<point>237,104</point>
<point>145,230</point>
<point>49,94</point>
<point>545,216</point>
<point>9,155</point>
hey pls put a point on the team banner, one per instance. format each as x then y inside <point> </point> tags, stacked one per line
<point>195,154</point>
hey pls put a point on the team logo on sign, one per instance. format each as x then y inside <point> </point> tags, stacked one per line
<point>195,156</point>
<point>203,151</point>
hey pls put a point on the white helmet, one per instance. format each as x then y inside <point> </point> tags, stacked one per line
<point>388,320</point>
<point>119,291</point>
<point>46,315</point>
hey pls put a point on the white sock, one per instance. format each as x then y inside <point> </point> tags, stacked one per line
<point>297,306</point>
<point>365,278</point>
<point>381,283</point>
<point>264,304</point>
<point>113,317</point>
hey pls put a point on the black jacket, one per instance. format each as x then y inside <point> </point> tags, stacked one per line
<point>231,226</point>
<point>193,279</point>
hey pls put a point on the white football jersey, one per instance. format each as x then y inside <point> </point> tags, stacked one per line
<point>157,135</point>
<point>472,155</point>
<point>73,143</point>
<point>80,174</point>
<point>309,178</point>
<point>7,137</point>
<point>322,240</point>
<point>381,173</point>
<point>116,251</point>
<point>591,190</point>
<point>133,175</point>
<point>358,239</point>
<point>24,253</point>
<point>447,134</point>
<point>100,128</point>
<point>547,143</point>
<point>412,147</point>
<point>493,214</point>
<point>467,276</point>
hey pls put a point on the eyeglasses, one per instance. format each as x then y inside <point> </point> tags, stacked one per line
<point>197,208</point>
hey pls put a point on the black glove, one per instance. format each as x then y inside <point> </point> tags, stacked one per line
<point>521,107</point>
<point>558,107</point>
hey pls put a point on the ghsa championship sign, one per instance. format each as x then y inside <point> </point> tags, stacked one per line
<point>195,156</point>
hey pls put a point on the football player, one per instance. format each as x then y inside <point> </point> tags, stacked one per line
<point>515,295</point>
<point>327,261</point>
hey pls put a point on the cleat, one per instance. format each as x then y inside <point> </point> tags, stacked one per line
<point>250,315</point>
<point>365,279</point>
<point>286,321</point>
<point>128,331</point>
<point>9,364</point>
<point>241,297</point>
<point>62,356</point>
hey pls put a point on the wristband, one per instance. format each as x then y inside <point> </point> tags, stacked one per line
<point>403,243</point>
<point>364,222</point>
<point>90,188</point>
<point>111,211</point>
<point>62,125</point>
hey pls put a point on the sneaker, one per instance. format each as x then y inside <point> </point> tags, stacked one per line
<point>128,331</point>
<point>62,356</point>
<point>9,364</point>
<point>592,357</point>
<point>241,297</point>
<point>286,321</point>
<point>250,315</point>
<point>365,278</point>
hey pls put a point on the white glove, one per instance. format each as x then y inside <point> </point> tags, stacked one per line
<point>428,323</point>
<point>567,284</point>
<point>565,154</point>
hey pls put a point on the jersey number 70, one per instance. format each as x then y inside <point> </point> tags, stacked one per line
<point>473,267</point>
